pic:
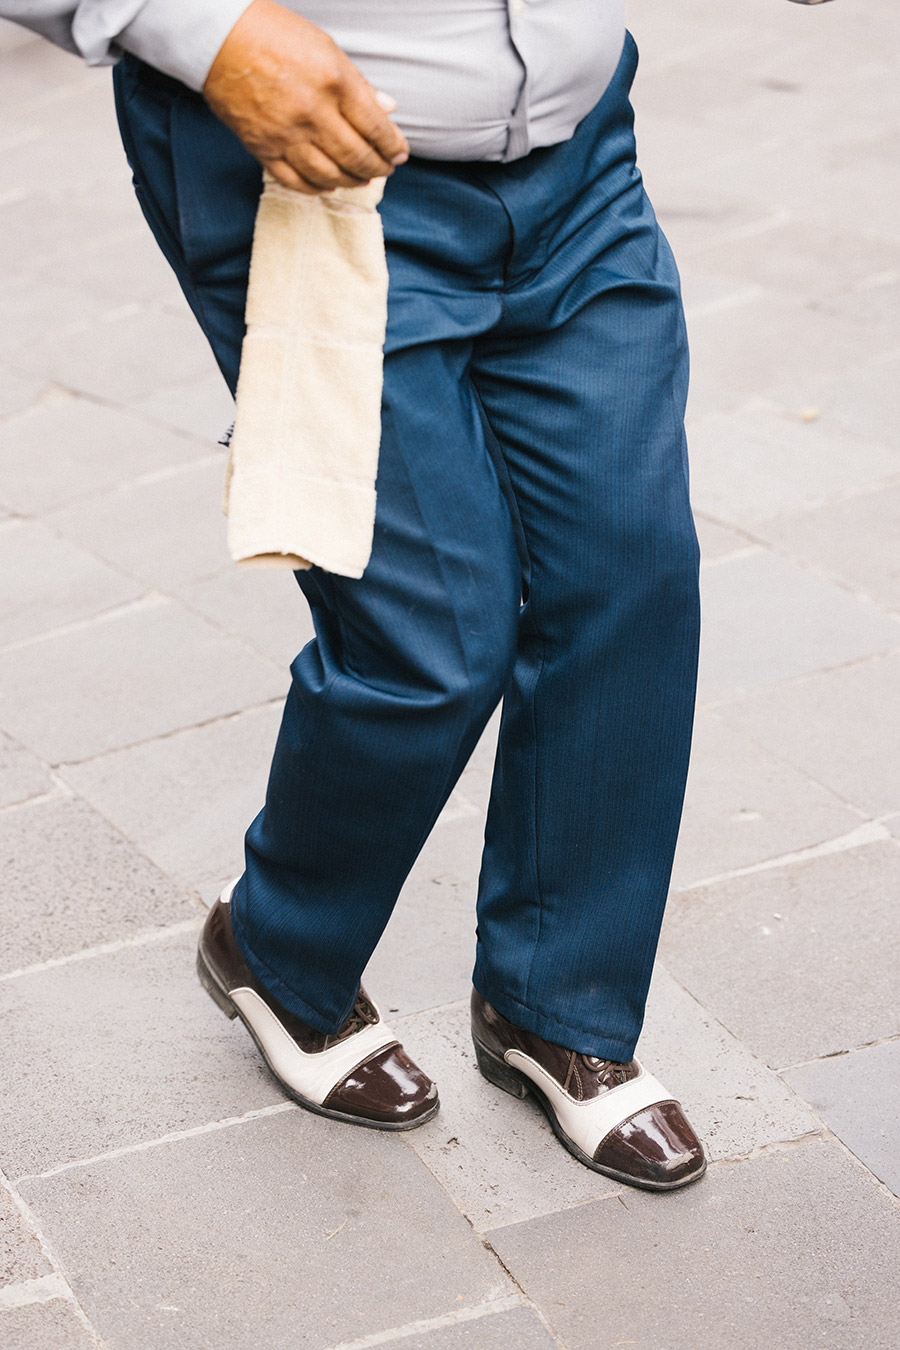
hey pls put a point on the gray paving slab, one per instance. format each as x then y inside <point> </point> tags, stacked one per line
<point>495,1156</point>
<point>146,1053</point>
<point>854,540</point>
<point>717,540</point>
<point>756,1254</point>
<point>768,136</point>
<point>13,36</point>
<point>82,448</point>
<point>781,87</point>
<point>705,293</point>
<point>798,961</point>
<point>71,881</point>
<point>751,465</point>
<point>445,874</point>
<point>187,799</point>
<point>92,153</point>
<point>768,620</point>
<point>167,531</point>
<point>875,303</point>
<point>124,354</point>
<point>519,1327</point>
<point>16,391</point>
<point>858,1097</point>
<point>201,407</point>
<point>839,181</point>
<point>22,775</point>
<point>668,146</point>
<point>284,1230</point>
<point>47,582</point>
<point>144,672</point>
<point>262,606</point>
<point>691,216</point>
<point>26,73</point>
<point>733,1099</point>
<point>31,223</point>
<point>120,267</point>
<point>475,781</point>
<point>861,194</point>
<point>45,1326</point>
<point>842,728</point>
<point>21,1257</point>
<point>36,308</point>
<point>863,400</point>
<point>426,955</point>
<point>744,805</point>
<point>766,342</point>
<point>848,36</point>
<point>802,258</point>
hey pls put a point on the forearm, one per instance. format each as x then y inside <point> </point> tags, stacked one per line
<point>281,84</point>
<point>180,37</point>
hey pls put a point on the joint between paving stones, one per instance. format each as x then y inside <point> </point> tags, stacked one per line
<point>172,1137</point>
<point>66,1291</point>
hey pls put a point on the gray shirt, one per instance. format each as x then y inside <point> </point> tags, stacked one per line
<point>474,79</point>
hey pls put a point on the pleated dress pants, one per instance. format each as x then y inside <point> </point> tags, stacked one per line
<point>533,543</point>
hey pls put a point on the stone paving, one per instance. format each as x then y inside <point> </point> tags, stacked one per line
<point>157,1189</point>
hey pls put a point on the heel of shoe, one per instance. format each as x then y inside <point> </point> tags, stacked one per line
<point>498,1072</point>
<point>216,994</point>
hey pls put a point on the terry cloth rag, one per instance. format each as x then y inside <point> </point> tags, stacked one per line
<point>300,483</point>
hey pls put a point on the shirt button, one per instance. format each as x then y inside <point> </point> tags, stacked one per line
<point>517,7</point>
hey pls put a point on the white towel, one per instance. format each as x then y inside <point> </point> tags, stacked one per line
<point>300,484</point>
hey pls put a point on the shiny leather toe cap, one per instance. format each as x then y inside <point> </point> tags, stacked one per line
<point>655,1147</point>
<point>389,1088</point>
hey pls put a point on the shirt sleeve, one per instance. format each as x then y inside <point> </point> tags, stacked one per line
<point>179,37</point>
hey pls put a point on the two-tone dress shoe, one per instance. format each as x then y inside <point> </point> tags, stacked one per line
<point>360,1074</point>
<point>615,1118</point>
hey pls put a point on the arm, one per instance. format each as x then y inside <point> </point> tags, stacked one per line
<point>279,82</point>
<point>299,104</point>
<point>180,37</point>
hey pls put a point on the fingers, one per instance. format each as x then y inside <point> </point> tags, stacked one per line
<point>288,177</point>
<point>359,104</point>
<point>332,153</point>
<point>314,172</point>
<point>338,139</point>
<point>319,169</point>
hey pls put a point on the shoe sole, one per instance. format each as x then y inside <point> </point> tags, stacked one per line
<point>518,1084</point>
<point>221,999</point>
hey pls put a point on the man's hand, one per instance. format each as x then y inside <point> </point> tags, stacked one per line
<point>300,105</point>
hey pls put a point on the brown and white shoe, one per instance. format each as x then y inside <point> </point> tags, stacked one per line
<point>360,1074</point>
<point>615,1118</point>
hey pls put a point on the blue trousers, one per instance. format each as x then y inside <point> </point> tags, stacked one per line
<point>533,543</point>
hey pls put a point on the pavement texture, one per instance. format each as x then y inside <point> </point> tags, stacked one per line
<point>157,1189</point>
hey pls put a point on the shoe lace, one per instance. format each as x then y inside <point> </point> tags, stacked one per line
<point>363,1015</point>
<point>601,1067</point>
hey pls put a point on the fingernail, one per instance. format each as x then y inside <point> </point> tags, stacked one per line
<point>385,101</point>
<point>400,159</point>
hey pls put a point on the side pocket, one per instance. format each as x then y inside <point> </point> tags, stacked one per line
<point>198,189</point>
<point>217,188</point>
<point>144,128</point>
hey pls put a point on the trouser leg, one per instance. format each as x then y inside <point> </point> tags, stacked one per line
<point>388,701</point>
<point>408,662</point>
<point>596,727</point>
<point>581,379</point>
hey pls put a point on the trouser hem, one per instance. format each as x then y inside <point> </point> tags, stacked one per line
<point>289,999</point>
<point>585,1041</point>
